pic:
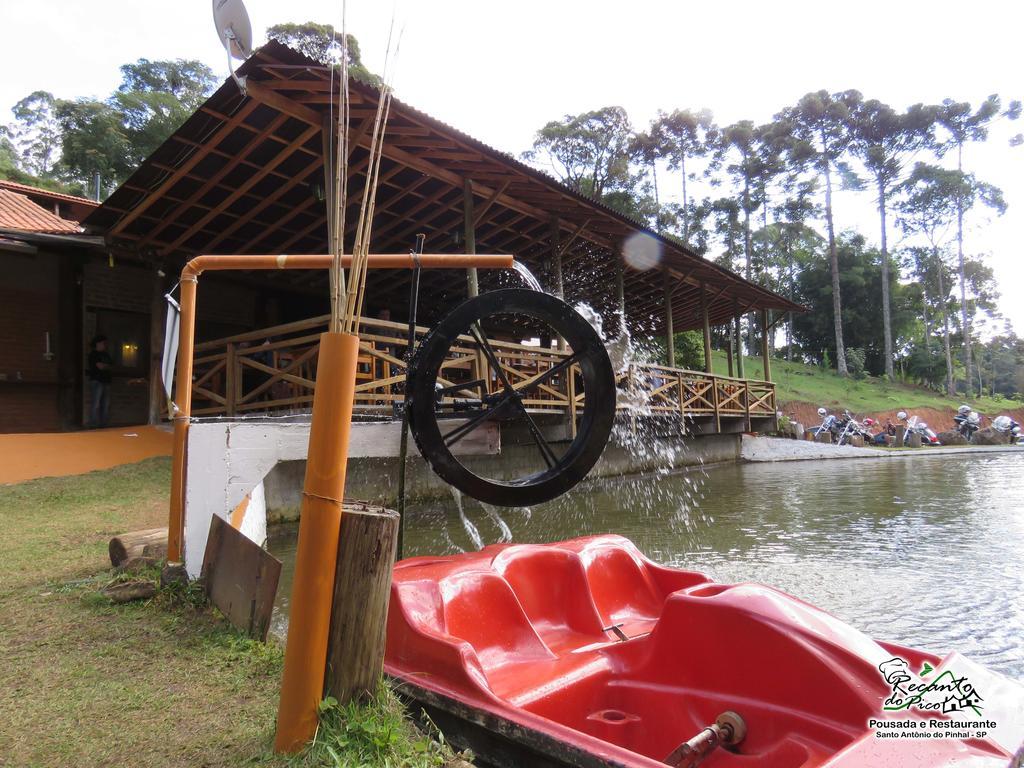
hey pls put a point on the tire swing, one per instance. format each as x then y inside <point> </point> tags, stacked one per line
<point>444,410</point>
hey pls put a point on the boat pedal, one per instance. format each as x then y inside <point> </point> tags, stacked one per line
<point>617,629</point>
<point>728,730</point>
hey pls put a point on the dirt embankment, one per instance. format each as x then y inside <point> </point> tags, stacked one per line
<point>807,414</point>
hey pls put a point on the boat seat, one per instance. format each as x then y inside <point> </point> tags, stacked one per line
<point>623,590</point>
<point>481,609</point>
<point>551,585</point>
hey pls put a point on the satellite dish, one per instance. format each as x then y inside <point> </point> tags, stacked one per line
<point>233,27</point>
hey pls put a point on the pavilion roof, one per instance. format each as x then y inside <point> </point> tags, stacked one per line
<point>245,174</point>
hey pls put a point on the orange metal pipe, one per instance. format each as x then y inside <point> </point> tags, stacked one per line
<point>186,339</point>
<point>305,655</point>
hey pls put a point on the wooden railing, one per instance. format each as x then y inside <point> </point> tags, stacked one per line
<point>273,370</point>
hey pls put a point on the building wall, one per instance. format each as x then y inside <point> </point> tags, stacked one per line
<point>28,310</point>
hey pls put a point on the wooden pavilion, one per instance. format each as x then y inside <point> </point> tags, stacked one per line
<point>246,175</point>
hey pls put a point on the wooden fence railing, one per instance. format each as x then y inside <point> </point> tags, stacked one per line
<point>273,370</point>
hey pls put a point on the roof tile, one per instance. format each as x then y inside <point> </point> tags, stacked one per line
<point>18,212</point>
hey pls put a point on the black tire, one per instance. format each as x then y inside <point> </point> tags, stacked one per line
<point>594,426</point>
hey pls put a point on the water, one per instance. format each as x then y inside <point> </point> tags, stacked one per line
<point>922,551</point>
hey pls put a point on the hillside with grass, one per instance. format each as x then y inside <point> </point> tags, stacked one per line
<point>801,389</point>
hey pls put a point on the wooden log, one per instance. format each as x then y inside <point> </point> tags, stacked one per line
<point>914,440</point>
<point>362,588</point>
<point>900,433</point>
<point>824,437</point>
<point>857,441</point>
<point>125,546</point>
<point>130,590</point>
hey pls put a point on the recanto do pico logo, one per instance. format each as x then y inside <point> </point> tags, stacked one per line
<point>937,704</point>
<point>946,694</point>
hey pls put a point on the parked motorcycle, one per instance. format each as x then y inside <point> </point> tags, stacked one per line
<point>828,423</point>
<point>914,424</point>
<point>1010,428</point>
<point>967,421</point>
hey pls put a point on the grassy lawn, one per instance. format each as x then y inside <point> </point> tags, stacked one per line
<point>162,682</point>
<point>796,382</point>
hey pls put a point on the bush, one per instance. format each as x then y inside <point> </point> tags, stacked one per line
<point>855,359</point>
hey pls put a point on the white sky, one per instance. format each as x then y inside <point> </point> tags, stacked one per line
<point>498,71</point>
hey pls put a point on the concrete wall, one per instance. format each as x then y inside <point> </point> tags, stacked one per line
<point>375,479</point>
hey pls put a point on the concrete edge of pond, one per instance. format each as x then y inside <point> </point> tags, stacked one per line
<point>769,449</point>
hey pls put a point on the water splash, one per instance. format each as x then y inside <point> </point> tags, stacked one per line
<point>471,530</point>
<point>643,432</point>
<point>492,512</point>
<point>527,276</point>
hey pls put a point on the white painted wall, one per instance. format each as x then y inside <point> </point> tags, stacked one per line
<point>227,460</point>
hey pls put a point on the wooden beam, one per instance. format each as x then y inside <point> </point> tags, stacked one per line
<point>214,180</point>
<point>259,92</point>
<point>572,238</point>
<point>243,188</point>
<point>153,195</point>
<point>556,259</point>
<point>483,209</point>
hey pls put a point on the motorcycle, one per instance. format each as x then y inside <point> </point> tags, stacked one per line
<point>849,427</point>
<point>913,424</point>
<point>1005,425</point>
<point>967,421</point>
<point>828,423</point>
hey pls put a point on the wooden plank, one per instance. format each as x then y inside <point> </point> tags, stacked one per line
<point>240,578</point>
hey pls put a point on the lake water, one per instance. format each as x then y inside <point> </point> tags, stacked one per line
<point>923,551</point>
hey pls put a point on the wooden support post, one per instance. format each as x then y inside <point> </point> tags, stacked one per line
<point>620,288</point>
<point>729,354</point>
<point>231,378</point>
<point>362,588</point>
<point>739,345</point>
<point>766,349</point>
<point>558,287</point>
<point>670,342</point>
<point>707,330</point>
<point>469,236</point>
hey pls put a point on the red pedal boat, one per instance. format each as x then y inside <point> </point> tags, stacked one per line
<point>586,653</point>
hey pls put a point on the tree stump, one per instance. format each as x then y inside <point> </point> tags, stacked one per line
<point>151,542</point>
<point>362,589</point>
<point>901,432</point>
<point>824,437</point>
<point>857,441</point>
<point>914,440</point>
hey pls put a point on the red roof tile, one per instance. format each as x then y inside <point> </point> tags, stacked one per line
<point>25,189</point>
<point>18,212</point>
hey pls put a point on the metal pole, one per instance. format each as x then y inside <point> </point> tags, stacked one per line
<point>403,450</point>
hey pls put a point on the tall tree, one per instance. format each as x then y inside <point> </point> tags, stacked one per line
<point>885,141</point>
<point>589,151</point>
<point>964,125</point>
<point>647,147</point>
<point>686,136</point>
<point>821,128</point>
<point>36,133</point>
<point>928,207</point>
<point>323,43</point>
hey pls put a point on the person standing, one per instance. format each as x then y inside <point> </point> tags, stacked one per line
<point>98,371</point>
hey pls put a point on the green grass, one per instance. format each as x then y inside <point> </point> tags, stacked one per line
<point>796,382</point>
<point>164,682</point>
